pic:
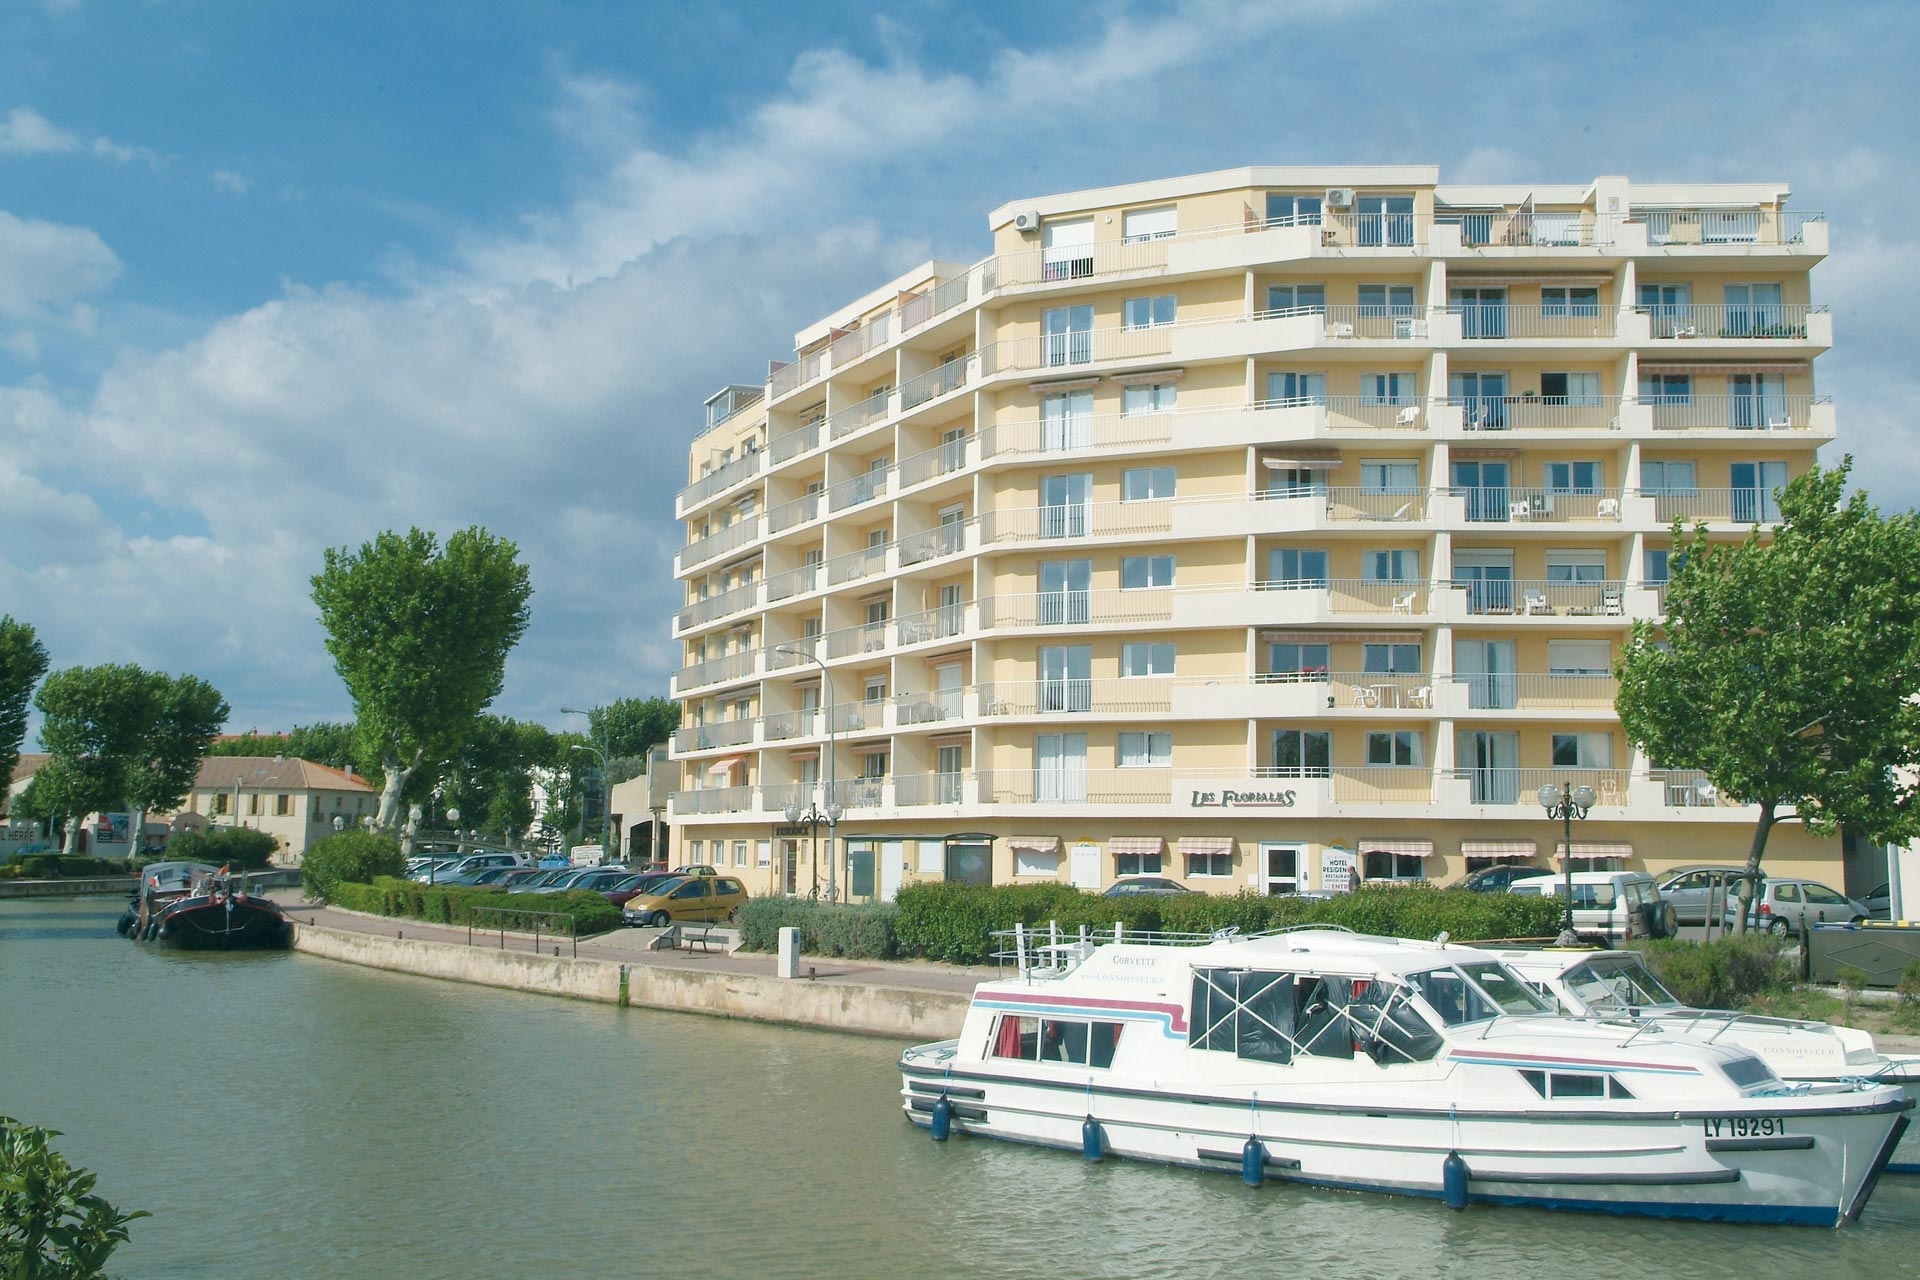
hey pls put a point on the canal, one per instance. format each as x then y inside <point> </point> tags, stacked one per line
<point>288,1116</point>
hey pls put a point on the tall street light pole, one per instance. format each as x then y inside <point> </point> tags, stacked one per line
<point>1567,802</point>
<point>830,807</point>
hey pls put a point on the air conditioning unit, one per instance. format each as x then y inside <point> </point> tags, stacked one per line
<point>1339,197</point>
<point>1027,220</point>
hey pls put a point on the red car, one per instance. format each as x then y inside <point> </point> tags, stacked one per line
<point>618,894</point>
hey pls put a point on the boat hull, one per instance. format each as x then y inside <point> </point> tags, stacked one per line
<point>202,924</point>
<point>1610,1159</point>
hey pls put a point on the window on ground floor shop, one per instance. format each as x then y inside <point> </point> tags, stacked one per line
<point>1379,864</point>
<point>1137,864</point>
<point>1200,865</point>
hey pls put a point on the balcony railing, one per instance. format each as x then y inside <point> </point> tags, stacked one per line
<point>931,544</point>
<point>929,788</point>
<point>1506,504</point>
<point>1104,696</point>
<point>1358,595</point>
<point>783,726</point>
<point>1077,784</point>
<point>943,459</point>
<point>1067,434</point>
<point>1077,608</point>
<point>788,514</point>
<point>1689,789</point>
<point>1734,506</point>
<point>729,666</point>
<point>718,606</point>
<point>1078,262</point>
<point>1077,520</point>
<point>1363,690</point>
<point>1737,413</point>
<point>796,373</point>
<point>1085,346</point>
<point>855,565</point>
<point>943,298</point>
<point>1405,323</point>
<point>933,624</point>
<point>714,800</point>
<point>1538,691</point>
<point>738,534</point>
<point>795,443</point>
<point>721,733</point>
<point>1521,786</point>
<point>1494,320</point>
<point>1347,502</point>
<point>859,793</point>
<point>851,346</point>
<point>1527,230</point>
<point>722,477</point>
<point>1342,229</point>
<point>865,487</point>
<point>1536,413</point>
<point>1726,226</point>
<point>793,582</point>
<point>857,415</point>
<point>1707,320</point>
<point>1533,598</point>
<point>932,707</point>
<point>938,381</point>
<point>867,637</point>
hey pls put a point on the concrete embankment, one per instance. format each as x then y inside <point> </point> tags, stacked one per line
<point>79,887</point>
<point>874,1008</point>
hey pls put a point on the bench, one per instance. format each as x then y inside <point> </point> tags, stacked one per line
<point>692,934</point>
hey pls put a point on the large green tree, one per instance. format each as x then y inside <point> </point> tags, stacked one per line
<point>119,736</point>
<point>1788,669</point>
<point>22,662</point>
<point>628,728</point>
<point>421,637</point>
<point>491,781</point>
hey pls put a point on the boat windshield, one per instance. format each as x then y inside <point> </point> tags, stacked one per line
<point>1453,997</point>
<point>1508,989</point>
<point>1616,982</point>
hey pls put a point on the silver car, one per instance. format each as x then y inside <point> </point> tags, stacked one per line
<point>1689,888</point>
<point>1786,901</point>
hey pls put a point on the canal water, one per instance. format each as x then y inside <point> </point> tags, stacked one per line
<point>287,1116</point>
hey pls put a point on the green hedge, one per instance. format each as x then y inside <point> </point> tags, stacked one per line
<point>241,848</point>
<point>51,866</point>
<point>357,856</point>
<point>863,932</point>
<point>1726,973</point>
<point>952,922</point>
<point>454,904</point>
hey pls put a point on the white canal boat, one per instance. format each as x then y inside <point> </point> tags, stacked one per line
<point>1376,1064</point>
<point>1617,985</point>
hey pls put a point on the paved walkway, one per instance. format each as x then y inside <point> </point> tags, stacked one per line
<point>630,946</point>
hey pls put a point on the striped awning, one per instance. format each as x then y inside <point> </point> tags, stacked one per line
<point>1191,846</point>
<point>948,739</point>
<point>1409,848</point>
<point>1498,848</point>
<point>1129,846</point>
<point>1064,384</point>
<point>1310,459</point>
<point>1776,366</point>
<point>726,764</point>
<point>1593,849</point>
<point>804,753</point>
<point>1148,376</point>
<point>1034,844</point>
<point>1486,453</point>
<point>1340,637</point>
<point>1538,277</point>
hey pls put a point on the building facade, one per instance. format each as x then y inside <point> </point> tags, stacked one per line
<point>1271,529</point>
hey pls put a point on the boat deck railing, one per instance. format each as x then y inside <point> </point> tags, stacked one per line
<point>1047,951</point>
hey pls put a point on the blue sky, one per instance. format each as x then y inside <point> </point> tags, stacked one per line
<point>275,277</point>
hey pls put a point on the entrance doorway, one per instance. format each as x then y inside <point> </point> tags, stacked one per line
<point>1280,868</point>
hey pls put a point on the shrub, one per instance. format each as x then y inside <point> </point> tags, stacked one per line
<point>826,929</point>
<point>51,1223</point>
<point>241,848</point>
<point>51,866</point>
<point>1908,988</point>
<point>349,855</point>
<point>1723,974</point>
<point>456,904</point>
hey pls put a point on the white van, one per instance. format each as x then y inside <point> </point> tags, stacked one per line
<point>1611,907</point>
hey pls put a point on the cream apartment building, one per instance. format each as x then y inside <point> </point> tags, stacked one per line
<point>1257,528</point>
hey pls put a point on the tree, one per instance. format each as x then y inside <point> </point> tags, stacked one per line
<point>491,782</point>
<point>22,662</point>
<point>628,728</point>
<point>421,638</point>
<point>184,714</point>
<point>51,1223</point>
<point>324,743</point>
<point>1789,669</point>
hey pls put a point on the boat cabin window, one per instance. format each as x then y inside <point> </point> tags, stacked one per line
<point>1075,1040</point>
<point>1571,1084</point>
<point>1509,990</point>
<point>1276,1017</point>
<point>1616,981</point>
<point>1455,999</point>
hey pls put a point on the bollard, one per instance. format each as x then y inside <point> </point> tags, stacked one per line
<point>788,964</point>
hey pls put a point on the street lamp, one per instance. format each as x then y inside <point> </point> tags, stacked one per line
<point>459,846</point>
<point>606,807</point>
<point>829,810</point>
<point>1567,802</point>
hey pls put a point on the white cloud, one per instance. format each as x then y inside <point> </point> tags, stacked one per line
<point>45,266</point>
<point>233,184</point>
<point>27,132</point>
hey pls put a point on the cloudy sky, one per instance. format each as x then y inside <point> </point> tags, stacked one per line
<point>276,277</point>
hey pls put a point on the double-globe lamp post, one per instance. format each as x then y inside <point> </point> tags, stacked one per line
<point>606,802</point>
<point>828,808</point>
<point>1567,802</point>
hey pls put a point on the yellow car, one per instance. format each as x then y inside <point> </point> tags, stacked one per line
<point>703,898</point>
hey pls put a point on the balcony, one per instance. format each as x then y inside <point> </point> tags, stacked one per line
<point>1537,413</point>
<point>1568,229</point>
<point>1688,789</point>
<point>1735,227</point>
<point>1536,691</point>
<point>701,612</point>
<point>868,637</point>
<point>939,381</point>
<point>794,443</point>
<point>857,565</point>
<point>791,375</point>
<point>731,538</point>
<point>944,459</point>
<point>942,298</point>
<point>1077,608</point>
<point>721,733</point>
<point>1294,695</point>
<point>1716,506</point>
<point>1376,323</point>
<point>929,788</point>
<point>1138,695</point>
<point>1077,785</point>
<point>793,582</point>
<point>932,544</point>
<point>932,624</point>
<point>1080,262</point>
<point>1077,520</point>
<point>718,480</point>
<point>1741,413</point>
<point>713,800</point>
<point>790,514</point>
<point>731,666</point>
<point>1780,322</point>
<point>1533,598</point>
<point>1506,504</point>
<point>865,487</point>
<point>855,416</point>
<point>1065,351</point>
<point>849,347</point>
<point>1553,323</point>
<point>1520,787</point>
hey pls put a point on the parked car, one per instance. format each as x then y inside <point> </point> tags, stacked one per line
<point>1786,901</point>
<point>1497,878</point>
<point>434,870</point>
<point>482,861</point>
<point>1609,906</point>
<point>694,897</point>
<point>1689,888</point>
<point>1879,901</point>
<point>1130,886</point>
<point>587,879</point>
<point>554,862</point>
<point>696,869</point>
<point>633,886</point>
<point>480,877</point>
<point>518,879</point>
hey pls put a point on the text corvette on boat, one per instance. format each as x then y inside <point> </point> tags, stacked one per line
<point>1377,1064</point>
<point>1617,985</point>
<point>197,907</point>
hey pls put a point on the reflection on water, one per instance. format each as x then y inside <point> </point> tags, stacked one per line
<point>288,1116</point>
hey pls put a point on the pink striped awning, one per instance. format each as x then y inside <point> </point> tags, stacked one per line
<point>1594,849</point>
<point>1034,844</point>
<point>1498,848</point>
<point>1193,846</point>
<point>1130,846</point>
<point>726,764</point>
<point>1410,848</point>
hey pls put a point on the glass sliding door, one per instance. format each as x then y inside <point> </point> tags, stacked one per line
<point>1482,398</point>
<point>1487,667</point>
<point>1063,505</point>
<point>1067,335</point>
<point>1060,767</point>
<point>1484,483</point>
<point>1670,306</point>
<point>1482,312</point>
<point>1384,220</point>
<point>1064,592</point>
<point>1491,764</point>
<point>1066,421</point>
<point>1757,400</point>
<point>1066,677</point>
<point>1756,487</point>
<point>1753,311</point>
<point>1487,577</point>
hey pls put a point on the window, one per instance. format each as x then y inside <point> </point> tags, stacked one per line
<point>1060,767</point>
<point>1667,477</point>
<point>1382,864</point>
<point>1066,682</point>
<point>1297,299</point>
<point>1140,484</point>
<point>1066,421</point>
<point>220,803</point>
<point>1390,659</point>
<point>1384,220</point>
<point>1576,566</point>
<point>1067,334</point>
<point>1389,476</point>
<point>1295,482</point>
<point>1296,660</point>
<point>1154,397</point>
<point>1145,750</point>
<point>1756,486</point>
<point>1455,999</point>
<point>876,689</point>
<point>283,806</point>
<point>1149,224</point>
<point>1297,567</point>
<point>253,805</point>
<point>1065,592</point>
<point>948,763</point>
<point>1067,249</point>
<point>1210,864</point>
<point>1285,210</point>
<point>763,853</point>
<point>1657,565</point>
<point>1579,658</point>
<point>1757,401</point>
<point>1561,301</point>
<point>1666,388</point>
<point>1081,1043</point>
<point>1036,862</point>
<point>1288,388</point>
<point>739,853</point>
<point>1386,388</point>
<point>1063,505</point>
<point>1137,572</point>
<point>1391,566</point>
<point>1573,477</point>
<point>1754,311</point>
<point>1387,300</point>
<point>1302,753</point>
<point>694,849</point>
<point>1148,313</point>
<point>1397,747</point>
<point>1582,751</point>
<point>1570,388</point>
<point>873,765</point>
<point>1137,864</point>
<point>1566,1084</point>
<point>1146,658</point>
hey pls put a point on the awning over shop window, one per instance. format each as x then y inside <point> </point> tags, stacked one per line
<point>1034,844</point>
<point>1593,849</point>
<point>1130,846</point>
<point>1408,848</point>
<point>1499,849</point>
<point>726,764</point>
<point>1197,846</point>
